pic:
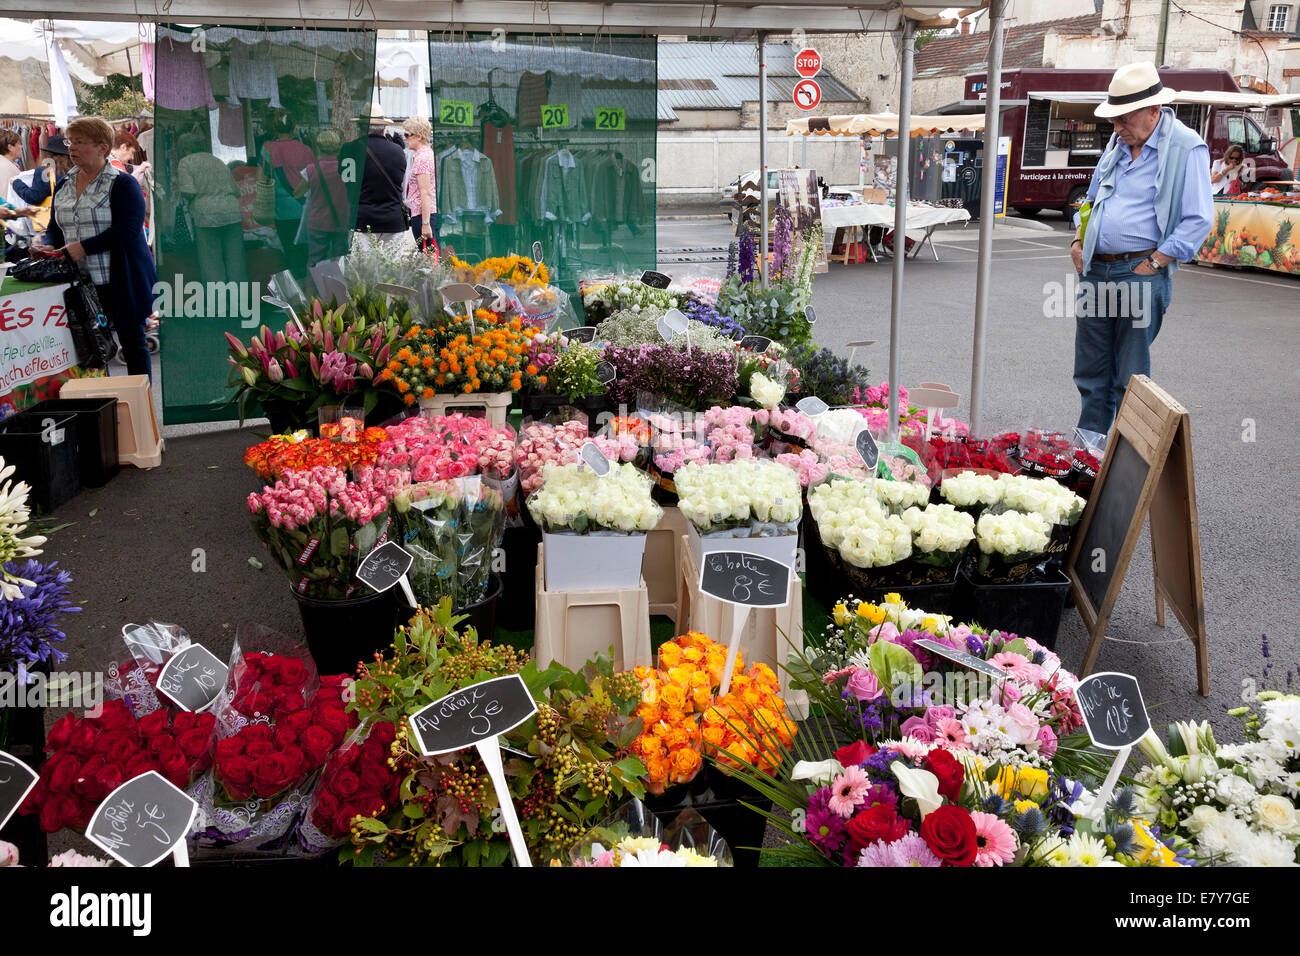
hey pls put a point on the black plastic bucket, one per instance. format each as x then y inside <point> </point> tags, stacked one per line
<point>518,610</point>
<point>96,426</point>
<point>342,632</point>
<point>482,615</point>
<point>1025,609</point>
<point>44,456</point>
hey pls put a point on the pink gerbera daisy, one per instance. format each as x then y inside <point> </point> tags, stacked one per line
<point>995,842</point>
<point>1017,665</point>
<point>950,732</point>
<point>848,790</point>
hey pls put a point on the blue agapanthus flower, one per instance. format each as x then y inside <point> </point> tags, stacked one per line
<point>29,632</point>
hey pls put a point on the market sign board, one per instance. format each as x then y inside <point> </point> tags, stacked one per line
<point>143,821</point>
<point>193,678</point>
<point>1113,710</point>
<point>16,781</point>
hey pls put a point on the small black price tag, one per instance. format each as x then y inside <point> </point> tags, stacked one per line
<point>385,566</point>
<point>741,577</point>
<point>16,781</point>
<point>605,373</point>
<point>192,679</point>
<point>1113,709</point>
<point>583,333</point>
<point>755,343</point>
<point>656,280</point>
<point>142,821</point>
<point>867,448</point>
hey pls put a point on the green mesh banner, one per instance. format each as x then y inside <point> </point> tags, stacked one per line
<point>258,155</point>
<point>547,139</point>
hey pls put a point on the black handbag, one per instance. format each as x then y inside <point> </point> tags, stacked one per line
<point>81,299</point>
<point>45,269</point>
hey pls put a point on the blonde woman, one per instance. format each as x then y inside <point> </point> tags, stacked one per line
<point>1227,170</point>
<point>421,187</point>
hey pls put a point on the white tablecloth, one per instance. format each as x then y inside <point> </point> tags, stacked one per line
<point>920,218</point>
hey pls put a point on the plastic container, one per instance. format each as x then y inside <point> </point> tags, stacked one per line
<point>662,559</point>
<point>586,562</point>
<point>138,440</point>
<point>574,626</point>
<point>44,456</point>
<point>96,435</point>
<point>1025,609</point>
<point>482,615</point>
<point>342,632</point>
<point>495,406</point>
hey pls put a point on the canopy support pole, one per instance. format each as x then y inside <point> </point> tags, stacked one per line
<point>762,157</point>
<point>984,266</point>
<point>900,220</point>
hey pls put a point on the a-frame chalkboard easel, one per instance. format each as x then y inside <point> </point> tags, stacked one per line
<point>1147,471</point>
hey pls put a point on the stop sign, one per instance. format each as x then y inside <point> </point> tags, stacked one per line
<point>808,62</point>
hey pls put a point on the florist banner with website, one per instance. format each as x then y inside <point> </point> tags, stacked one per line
<point>548,139</point>
<point>255,148</point>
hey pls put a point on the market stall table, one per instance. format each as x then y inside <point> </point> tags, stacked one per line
<point>1254,232</point>
<point>36,350</point>
<point>922,220</point>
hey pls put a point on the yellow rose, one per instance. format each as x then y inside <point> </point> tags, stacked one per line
<point>673,697</point>
<point>670,655</point>
<point>841,615</point>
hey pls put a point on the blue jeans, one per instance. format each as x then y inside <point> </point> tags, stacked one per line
<point>1117,316</point>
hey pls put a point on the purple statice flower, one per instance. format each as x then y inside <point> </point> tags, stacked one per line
<point>866,714</point>
<point>879,762</point>
<point>338,371</point>
<point>975,645</point>
<point>825,830</point>
<point>28,624</point>
<point>710,316</point>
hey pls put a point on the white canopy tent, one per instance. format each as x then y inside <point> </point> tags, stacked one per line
<point>720,18</point>
<point>882,124</point>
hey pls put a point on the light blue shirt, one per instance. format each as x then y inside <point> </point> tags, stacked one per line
<point>1130,222</point>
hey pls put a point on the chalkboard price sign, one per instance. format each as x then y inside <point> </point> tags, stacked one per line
<point>385,566</point>
<point>192,678</point>
<point>1117,505</point>
<point>867,448</point>
<point>656,280</point>
<point>1113,710</point>
<point>583,333</point>
<point>472,714</point>
<point>605,373</point>
<point>16,781</point>
<point>741,577</point>
<point>755,343</point>
<point>812,406</point>
<point>964,659</point>
<point>142,821</point>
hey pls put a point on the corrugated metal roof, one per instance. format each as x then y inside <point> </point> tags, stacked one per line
<point>733,69</point>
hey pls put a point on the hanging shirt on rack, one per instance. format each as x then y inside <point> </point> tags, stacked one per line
<point>564,193</point>
<point>252,76</point>
<point>469,188</point>
<point>182,77</point>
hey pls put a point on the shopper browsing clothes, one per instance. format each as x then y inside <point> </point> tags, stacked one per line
<point>212,202</point>
<point>328,212</point>
<point>421,187</point>
<point>1150,209</point>
<point>284,157</point>
<point>98,220</point>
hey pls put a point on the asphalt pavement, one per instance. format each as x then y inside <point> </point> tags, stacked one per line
<point>173,544</point>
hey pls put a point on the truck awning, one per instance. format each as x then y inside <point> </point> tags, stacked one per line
<point>878,124</point>
<point>1203,97</point>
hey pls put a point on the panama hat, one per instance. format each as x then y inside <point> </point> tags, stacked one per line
<point>375,116</point>
<point>1133,87</point>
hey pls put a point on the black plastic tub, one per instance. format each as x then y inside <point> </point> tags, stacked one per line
<point>96,435</point>
<point>482,615</point>
<point>342,632</point>
<point>1027,609</point>
<point>43,450</point>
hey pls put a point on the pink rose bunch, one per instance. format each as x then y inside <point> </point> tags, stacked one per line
<point>302,496</point>
<point>541,445</point>
<point>448,446</point>
<point>840,458</point>
<point>792,422</point>
<point>878,395</point>
<point>683,452</point>
<point>807,465</point>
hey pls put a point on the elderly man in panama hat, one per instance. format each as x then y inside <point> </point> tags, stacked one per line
<point>381,209</point>
<point>1149,207</point>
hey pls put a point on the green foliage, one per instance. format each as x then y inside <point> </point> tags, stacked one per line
<point>776,312</point>
<point>574,373</point>
<point>567,767</point>
<point>120,97</point>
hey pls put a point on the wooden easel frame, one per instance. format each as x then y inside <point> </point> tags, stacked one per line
<point>1159,430</point>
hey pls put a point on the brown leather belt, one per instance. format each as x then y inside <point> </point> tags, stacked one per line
<point>1117,256</point>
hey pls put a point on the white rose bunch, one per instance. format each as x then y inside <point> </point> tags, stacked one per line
<point>872,544</point>
<point>580,500</point>
<point>1012,532</point>
<point>1044,496</point>
<point>969,489</point>
<point>902,494</point>
<point>840,425</point>
<point>857,525</point>
<point>939,528</point>
<point>737,491</point>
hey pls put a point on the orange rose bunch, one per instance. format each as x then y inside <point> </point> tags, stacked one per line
<point>675,696</point>
<point>279,454</point>
<point>749,724</point>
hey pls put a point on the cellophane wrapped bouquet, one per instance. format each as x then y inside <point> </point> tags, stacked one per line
<point>575,500</point>
<point>740,499</point>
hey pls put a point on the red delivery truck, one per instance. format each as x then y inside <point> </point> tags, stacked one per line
<point>1056,140</point>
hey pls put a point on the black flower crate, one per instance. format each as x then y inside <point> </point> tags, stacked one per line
<point>96,427</point>
<point>43,451</point>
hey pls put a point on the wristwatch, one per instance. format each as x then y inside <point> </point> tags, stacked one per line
<point>1153,263</point>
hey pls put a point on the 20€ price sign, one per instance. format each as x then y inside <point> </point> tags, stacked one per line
<point>455,113</point>
<point>610,117</point>
<point>555,115</point>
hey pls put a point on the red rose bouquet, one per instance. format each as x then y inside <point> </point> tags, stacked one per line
<point>357,781</point>
<point>91,756</point>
